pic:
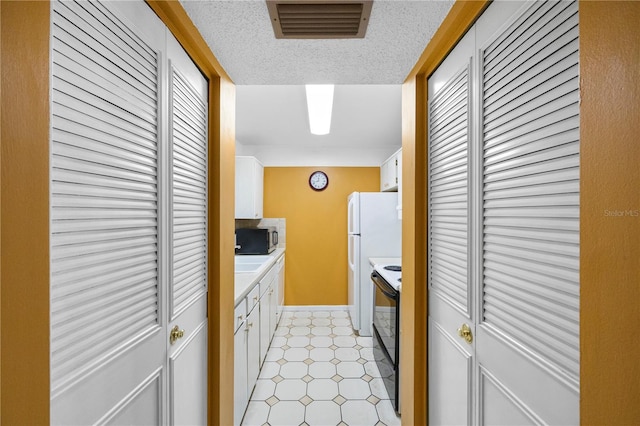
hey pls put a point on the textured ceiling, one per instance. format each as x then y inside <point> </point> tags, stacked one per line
<point>271,121</point>
<point>241,36</point>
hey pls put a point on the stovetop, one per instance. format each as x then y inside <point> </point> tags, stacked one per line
<point>392,276</point>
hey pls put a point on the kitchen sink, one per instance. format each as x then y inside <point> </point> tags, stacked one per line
<point>243,259</point>
<point>247,267</point>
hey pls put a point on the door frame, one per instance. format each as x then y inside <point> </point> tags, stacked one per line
<point>24,211</point>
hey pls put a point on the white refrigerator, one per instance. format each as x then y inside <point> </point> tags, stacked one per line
<point>374,231</point>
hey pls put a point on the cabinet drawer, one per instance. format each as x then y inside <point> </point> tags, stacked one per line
<point>240,314</point>
<point>252,298</point>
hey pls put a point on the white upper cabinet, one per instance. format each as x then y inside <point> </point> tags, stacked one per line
<point>249,188</point>
<point>389,173</point>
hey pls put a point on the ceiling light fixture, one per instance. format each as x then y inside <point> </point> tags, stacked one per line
<point>319,105</point>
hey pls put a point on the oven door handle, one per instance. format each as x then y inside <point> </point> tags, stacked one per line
<point>382,286</point>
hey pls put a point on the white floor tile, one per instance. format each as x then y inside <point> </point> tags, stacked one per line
<point>321,341</point>
<point>322,413</point>
<point>347,354</point>
<point>322,370</point>
<point>343,331</point>
<point>290,390</point>
<point>298,341</point>
<point>341,322</point>
<point>354,389</point>
<point>321,331</point>
<point>387,414</point>
<point>322,389</point>
<point>299,331</point>
<point>361,413</point>
<point>298,322</point>
<point>294,370</point>
<point>321,354</point>
<point>350,369</point>
<point>296,354</point>
<point>286,413</point>
<point>344,341</point>
<point>321,322</point>
<point>256,414</point>
<point>308,391</point>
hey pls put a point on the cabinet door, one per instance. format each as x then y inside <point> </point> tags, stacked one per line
<point>273,319</point>
<point>389,174</point>
<point>253,348</point>
<point>249,188</point>
<point>264,324</point>
<point>258,189</point>
<point>240,391</point>
<point>279,290</point>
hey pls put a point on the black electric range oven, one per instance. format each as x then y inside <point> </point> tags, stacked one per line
<point>386,327</point>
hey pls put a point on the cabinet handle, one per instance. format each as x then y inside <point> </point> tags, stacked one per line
<point>249,325</point>
<point>240,317</point>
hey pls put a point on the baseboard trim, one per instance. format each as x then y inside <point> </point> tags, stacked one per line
<point>315,308</point>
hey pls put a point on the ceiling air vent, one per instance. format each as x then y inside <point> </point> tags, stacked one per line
<point>319,18</point>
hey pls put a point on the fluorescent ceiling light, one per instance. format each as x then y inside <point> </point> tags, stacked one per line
<point>319,105</point>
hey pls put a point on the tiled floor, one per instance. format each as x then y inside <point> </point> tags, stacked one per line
<point>317,372</point>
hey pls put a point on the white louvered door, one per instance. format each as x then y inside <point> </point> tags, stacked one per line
<point>451,292</point>
<point>116,221</point>
<point>524,193</point>
<point>188,287</point>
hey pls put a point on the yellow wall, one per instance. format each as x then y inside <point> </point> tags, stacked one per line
<point>316,236</point>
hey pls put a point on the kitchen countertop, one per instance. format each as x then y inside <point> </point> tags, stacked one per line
<point>373,261</point>
<point>245,281</point>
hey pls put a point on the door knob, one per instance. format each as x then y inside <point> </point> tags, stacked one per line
<point>465,332</point>
<point>175,334</point>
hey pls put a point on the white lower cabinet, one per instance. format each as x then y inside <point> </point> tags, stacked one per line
<point>279,290</point>
<point>240,387</point>
<point>253,348</point>
<point>253,334</point>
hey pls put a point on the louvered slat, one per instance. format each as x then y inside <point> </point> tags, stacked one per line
<point>189,141</point>
<point>448,190</point>
<point>531,184</point>
<point>104,219</point>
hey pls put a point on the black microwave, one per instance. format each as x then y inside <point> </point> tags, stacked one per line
<point>256,240</point>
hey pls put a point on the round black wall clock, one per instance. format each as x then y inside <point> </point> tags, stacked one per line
<point>318,181</point>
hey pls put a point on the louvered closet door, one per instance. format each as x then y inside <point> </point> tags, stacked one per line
<point>451,290</point>
<point>528,335</point>
<point>503,220</point>
<point>188,287</point>
<point>105,269</point>
<point>128,220</point>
